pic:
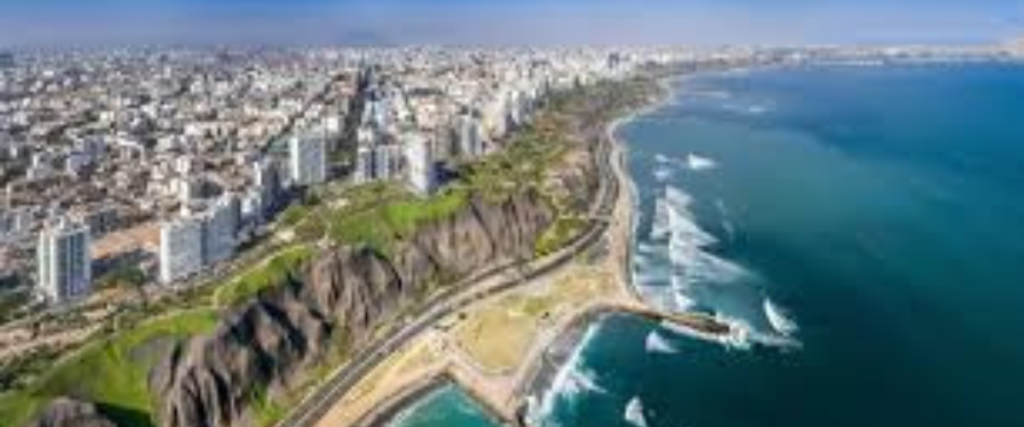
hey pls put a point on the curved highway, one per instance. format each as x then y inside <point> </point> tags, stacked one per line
<point>469,291</point>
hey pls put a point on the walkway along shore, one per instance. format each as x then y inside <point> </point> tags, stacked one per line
<point>431,359</point>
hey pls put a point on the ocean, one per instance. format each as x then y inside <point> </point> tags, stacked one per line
<point>864,227</point>
<point>447,406</point>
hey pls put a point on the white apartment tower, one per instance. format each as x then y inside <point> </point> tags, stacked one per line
<point>470,137</point>
<point>64,262</point>
<point>422,174</point>
<point>190,243</point>
<point>181,248</point>
<point>220,229</point>
<point>307,160</point>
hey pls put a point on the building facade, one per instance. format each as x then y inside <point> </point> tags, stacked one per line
<point>420,168</point>
<point>308,160</point>
<point>220,228</point>
<point>181,248</point>
<point>64,263</point>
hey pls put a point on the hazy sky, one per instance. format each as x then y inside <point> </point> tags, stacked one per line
<point>88,22</point>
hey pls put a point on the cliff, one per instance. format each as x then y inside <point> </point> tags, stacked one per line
<point>69,412</point>
<point>266,346</point>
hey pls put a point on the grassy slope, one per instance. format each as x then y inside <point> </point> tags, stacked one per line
<point>110,372</point>
<point>378,215</point>
<point>263,276</point>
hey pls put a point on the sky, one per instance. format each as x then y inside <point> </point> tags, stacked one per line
<point>506,22</point>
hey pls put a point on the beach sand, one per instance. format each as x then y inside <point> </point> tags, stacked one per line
<point>538,322</point>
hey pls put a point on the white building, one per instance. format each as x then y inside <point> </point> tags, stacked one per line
<point>470,137</point>
<point>378,162</point>
<point>420,168</point>
<point>181,248</point>
<point>192,242</point>
<point>220,229</point>
<point>265,191</point>
<point>64,263</point>
<point>307,158</point>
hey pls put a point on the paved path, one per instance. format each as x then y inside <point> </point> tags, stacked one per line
<point>609,211</point>
<point>483,286</point>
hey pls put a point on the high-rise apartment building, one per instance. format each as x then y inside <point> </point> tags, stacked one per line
<point>64,262</point>
<point>307,159</point>
<point>420,168</point>
<point>181,248</point>
<point>191,242</point>
<point>220,229</point>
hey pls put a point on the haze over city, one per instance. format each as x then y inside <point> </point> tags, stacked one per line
<point>511,213</point>
<point>505,22</point>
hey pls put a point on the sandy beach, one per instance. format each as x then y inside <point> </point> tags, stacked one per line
<point>541,322</point>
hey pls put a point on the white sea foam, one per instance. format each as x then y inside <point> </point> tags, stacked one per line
<point>661,228</point>
<point>688,244</point>
<point>662,173</point>
<point>679,272</point>
<point>683,302</point>
<point>740,338</point>
<point>634,413</point>
<point>582,380</point>
<point>699,163</point>
<point>656,343</point>
<point>779,319</point>
<point>572,380</point>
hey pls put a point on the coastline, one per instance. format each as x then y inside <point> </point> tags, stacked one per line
<point>506,396</point>
<point>558,353</point>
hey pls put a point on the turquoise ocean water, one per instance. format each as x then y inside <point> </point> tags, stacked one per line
<point>864,226</point>
<point>445,407</point>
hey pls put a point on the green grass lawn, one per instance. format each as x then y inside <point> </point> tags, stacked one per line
<point>109,373</point>
<point>112,372</point>
<point>559,234</point>
<point>382,225</point>
<point>264,276</point>
<point>294,215</point>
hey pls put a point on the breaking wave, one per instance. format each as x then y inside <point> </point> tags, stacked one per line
<point>662,173</point>
<point>779,318</point>
<point>692,162</point>
<point>698,163</point>
<point>634,413</point>
<point>572,380</point>
<point>656,343</point>
<point>677,269</point>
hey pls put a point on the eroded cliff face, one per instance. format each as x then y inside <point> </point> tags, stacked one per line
<point>266,346</point>
<point>66,412</point>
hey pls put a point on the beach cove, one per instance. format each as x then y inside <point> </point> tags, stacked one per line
<point>506,349</point>
<point>785,129</point>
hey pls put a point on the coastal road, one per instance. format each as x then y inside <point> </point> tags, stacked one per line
<point>477,288</point>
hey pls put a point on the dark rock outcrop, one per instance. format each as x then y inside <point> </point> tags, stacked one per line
<point>264,347</point>
<point>65,412</point>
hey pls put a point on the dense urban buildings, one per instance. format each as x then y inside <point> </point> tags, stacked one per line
<point>140,182</point>
<point>169,160</point>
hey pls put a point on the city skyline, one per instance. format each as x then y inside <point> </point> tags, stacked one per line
<point>58,23</point>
